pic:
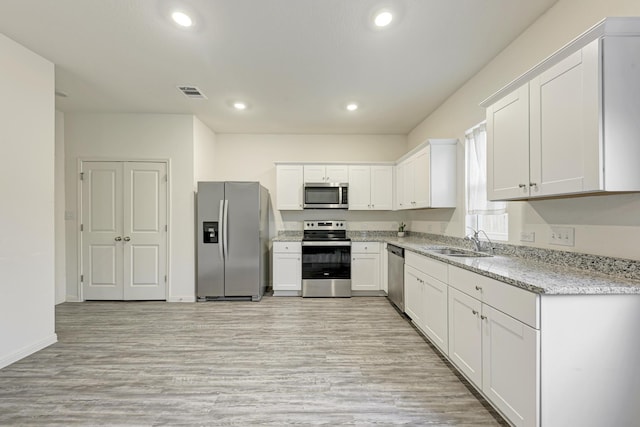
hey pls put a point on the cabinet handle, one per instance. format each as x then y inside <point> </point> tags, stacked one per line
<point>478,288</point>
<point>127,238</point>
<point>475,313</point>
<point>483,317</point>
<point>118,239</point>
<point>533,184</point>
<point>522,185</point>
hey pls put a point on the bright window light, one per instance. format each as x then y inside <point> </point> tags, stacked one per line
<point>182,19</point>
<point>383,19</point>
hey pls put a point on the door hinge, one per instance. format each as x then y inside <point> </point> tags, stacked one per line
<point>81,227</point>
<point>165,278</point>
<point>166,227</point>
<point>81,176</point>
<point>82,278</point>
<point>166,178</point>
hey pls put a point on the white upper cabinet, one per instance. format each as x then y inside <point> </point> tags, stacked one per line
<point>370,187</point>
<point>326,173</point>
<point>569,125</point>
<point>426,178</point>
<point>289,187</point>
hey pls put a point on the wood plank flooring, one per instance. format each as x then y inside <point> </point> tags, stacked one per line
<point>281,361</point>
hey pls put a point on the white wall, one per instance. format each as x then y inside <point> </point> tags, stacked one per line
<point>204,146</point>
<point>60,255</point>
<point>605,225</point>
<point>137,137</point>
<point>251,157</point>
<point>27,296</point>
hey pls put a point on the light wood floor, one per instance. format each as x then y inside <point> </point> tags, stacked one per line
<point>282,361</point>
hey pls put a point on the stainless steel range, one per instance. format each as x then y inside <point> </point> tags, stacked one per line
<point>326,259</point>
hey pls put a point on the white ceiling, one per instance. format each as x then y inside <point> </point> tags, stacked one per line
<point>295,62</point>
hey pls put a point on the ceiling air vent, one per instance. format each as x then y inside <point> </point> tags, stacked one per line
<point>192,92</point>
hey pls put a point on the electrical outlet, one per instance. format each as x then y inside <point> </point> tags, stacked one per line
<point>527,236</point>
<point>563,236</point>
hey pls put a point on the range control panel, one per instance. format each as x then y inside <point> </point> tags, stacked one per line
<point>325,225</point>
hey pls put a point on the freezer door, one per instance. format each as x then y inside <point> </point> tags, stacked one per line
<point>242,257</point>
<point>210,265</point>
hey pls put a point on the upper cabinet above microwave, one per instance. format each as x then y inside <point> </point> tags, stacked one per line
<point>326,173</point>
<point>570,125</point>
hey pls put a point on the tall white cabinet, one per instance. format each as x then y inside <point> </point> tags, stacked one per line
<point>426,176</point>
<point>569,125</point>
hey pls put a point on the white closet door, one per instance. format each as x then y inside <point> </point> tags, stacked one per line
<point>144,234</point>
<point>102,247</point>
<point>124,219</point>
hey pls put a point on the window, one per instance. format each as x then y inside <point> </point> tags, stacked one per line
<point>491,217</point>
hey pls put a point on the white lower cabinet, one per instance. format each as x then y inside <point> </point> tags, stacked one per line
<point>465,335</point>
<point>287,268</point>
<point>365,267</point>
<point>426,297</point>
<point>510,366</point>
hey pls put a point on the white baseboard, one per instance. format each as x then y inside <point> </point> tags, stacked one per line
<point>189,298</point>
<point>28,350</point>
<point>73,298</point>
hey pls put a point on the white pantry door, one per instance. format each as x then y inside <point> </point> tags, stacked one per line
<point>124,239</point>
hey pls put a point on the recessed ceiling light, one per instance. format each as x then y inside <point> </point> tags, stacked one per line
<point>240,105</point>
<point>383,18</point>
<point>352,106</point>
<point>182,19</point>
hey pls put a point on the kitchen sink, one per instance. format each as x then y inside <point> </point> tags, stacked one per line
<point>460,253</point>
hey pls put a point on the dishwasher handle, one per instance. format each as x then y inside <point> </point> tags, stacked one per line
<point>396,250</point>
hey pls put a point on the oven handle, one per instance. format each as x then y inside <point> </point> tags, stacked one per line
<point>328,243</point>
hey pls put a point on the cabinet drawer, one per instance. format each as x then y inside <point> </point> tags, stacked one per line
<point>518,303</point>
<point>287,247</point>
<point>365,247</point>
<point>427,265</point>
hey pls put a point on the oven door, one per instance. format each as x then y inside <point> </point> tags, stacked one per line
<point>326,269</point>
<point>326,260</point>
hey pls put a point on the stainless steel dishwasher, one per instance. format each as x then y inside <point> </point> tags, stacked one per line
<point>396,275</point>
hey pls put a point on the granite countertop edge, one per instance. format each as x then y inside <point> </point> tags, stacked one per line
<point>534,276</point>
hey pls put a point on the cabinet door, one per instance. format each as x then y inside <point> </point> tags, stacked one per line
<point>412,294</point>
<point>287,272</point>
<point>400,190</point>
<point>365,272</point>
<point>359,188</point>
<point>465,335</point>
<point>337,173</point>
<point>408,183</point>
<point>422,179</point>
<point>381,187</point>
<point>510,366</point>
<point>565,139</point>
<point>314,173</point>
<point>508,146</point>
<point>289,187</point>
<point>435,312</point>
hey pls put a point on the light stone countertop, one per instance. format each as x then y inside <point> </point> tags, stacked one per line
<point>548,278</point>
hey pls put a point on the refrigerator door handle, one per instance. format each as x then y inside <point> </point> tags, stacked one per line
<point>225,236</point>
<point>221,219</point>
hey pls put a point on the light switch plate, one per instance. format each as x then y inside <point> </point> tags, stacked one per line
<point>527,236</point>
<point>563,236</point>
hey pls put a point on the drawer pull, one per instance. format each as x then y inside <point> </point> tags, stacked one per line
<point>478,288</point>
<point>483,317</point>
<point>475,313</point>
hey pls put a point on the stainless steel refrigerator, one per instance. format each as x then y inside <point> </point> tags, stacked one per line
<point>232,236</point>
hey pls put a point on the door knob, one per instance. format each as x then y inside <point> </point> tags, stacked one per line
<point>127,238</point>
<point>117,239</point>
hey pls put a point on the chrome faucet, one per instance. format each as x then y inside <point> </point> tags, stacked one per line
<point>475,238</point>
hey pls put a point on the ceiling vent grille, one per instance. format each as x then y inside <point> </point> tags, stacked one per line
<point>192,92</point>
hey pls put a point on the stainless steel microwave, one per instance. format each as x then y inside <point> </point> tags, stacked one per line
<point>326,195</point>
